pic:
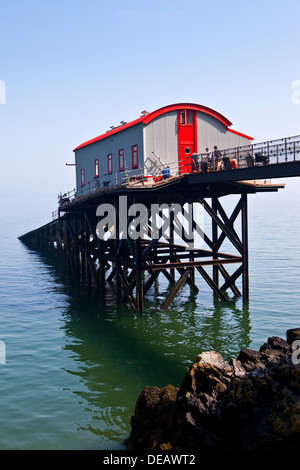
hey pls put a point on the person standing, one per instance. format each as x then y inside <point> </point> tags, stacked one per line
<point>195,163</point>
<point>206,159</point>
<point>217,158</point>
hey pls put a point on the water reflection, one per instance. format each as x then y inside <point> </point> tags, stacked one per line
<point>113,352</point>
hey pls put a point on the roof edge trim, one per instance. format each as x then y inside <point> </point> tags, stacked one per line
<point>154,114</point>
<point>194,107</point>
<point>240,134</point>
<point>109,133</point>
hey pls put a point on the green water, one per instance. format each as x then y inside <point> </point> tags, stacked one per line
<point>75,364</point>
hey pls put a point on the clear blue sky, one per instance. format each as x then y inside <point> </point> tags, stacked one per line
<point>74,68</point>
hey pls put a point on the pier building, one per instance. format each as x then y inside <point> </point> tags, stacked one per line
<point>167,136</point>
<point>122,227</point>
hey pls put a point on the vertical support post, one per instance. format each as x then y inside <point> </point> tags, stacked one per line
<point>139,284</point>
<point>172,270</point>
<point>192,270</point>
<point>76,251</point>
<point>245,246</point>
<point>87,242</point>
<point>101,267</point>
<point>117,241</point>
<point>214,201</point>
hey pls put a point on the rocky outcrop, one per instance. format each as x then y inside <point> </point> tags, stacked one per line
<point>248,403</point>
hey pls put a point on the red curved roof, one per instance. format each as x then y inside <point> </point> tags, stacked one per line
<point>194,107</point>
<point>145,119</point>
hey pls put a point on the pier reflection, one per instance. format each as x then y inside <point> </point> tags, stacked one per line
<point>113,352</point>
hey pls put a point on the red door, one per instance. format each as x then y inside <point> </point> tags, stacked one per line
<point>186,139</point>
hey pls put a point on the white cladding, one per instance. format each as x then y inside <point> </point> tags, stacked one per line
<point>212,132</point>
<point>160,138</point>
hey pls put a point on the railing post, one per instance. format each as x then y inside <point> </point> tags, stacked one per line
<point>285,148</point>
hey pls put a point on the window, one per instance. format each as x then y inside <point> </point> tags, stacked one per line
<point>109,163</point>
<point>186,118</point>
<point>190,117</point>
<point>82,178</point>
<point>97,167</point>
<point>121,159</point>
<point>135,156</point>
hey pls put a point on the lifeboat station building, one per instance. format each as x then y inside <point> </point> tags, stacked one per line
<point>168,136</point>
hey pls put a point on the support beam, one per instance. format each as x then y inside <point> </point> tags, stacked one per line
<point>212,283</point>
<point>176,288</point>
<point>245,245</point>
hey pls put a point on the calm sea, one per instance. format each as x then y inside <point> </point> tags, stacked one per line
<point>75,366</point>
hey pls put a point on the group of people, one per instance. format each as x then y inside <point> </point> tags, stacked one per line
<point>208,160</point>
<point>201,163</point>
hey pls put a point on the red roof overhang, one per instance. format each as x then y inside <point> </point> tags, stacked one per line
<point>194,107</point>
<point>145,119</point>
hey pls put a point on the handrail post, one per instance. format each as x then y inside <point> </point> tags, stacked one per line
<point>285,148</point>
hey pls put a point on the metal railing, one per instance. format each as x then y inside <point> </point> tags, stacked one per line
<point>269,152</point>
<point>108,181</point>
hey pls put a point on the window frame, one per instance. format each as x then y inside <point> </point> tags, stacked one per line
<point>82,177</point>
<point>109,164</point>
<point>121,156</point>
<point>135,155</point>
<point>97,167</point>
<point>184,117</point>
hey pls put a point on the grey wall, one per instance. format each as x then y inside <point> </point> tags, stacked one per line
<point>85,157</point>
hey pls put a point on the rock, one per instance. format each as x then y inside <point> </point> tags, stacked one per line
<point>251,402</point>
<point>154,418</point>
<point>292,335</point>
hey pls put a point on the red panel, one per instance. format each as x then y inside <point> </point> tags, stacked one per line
<point>187,131</point>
